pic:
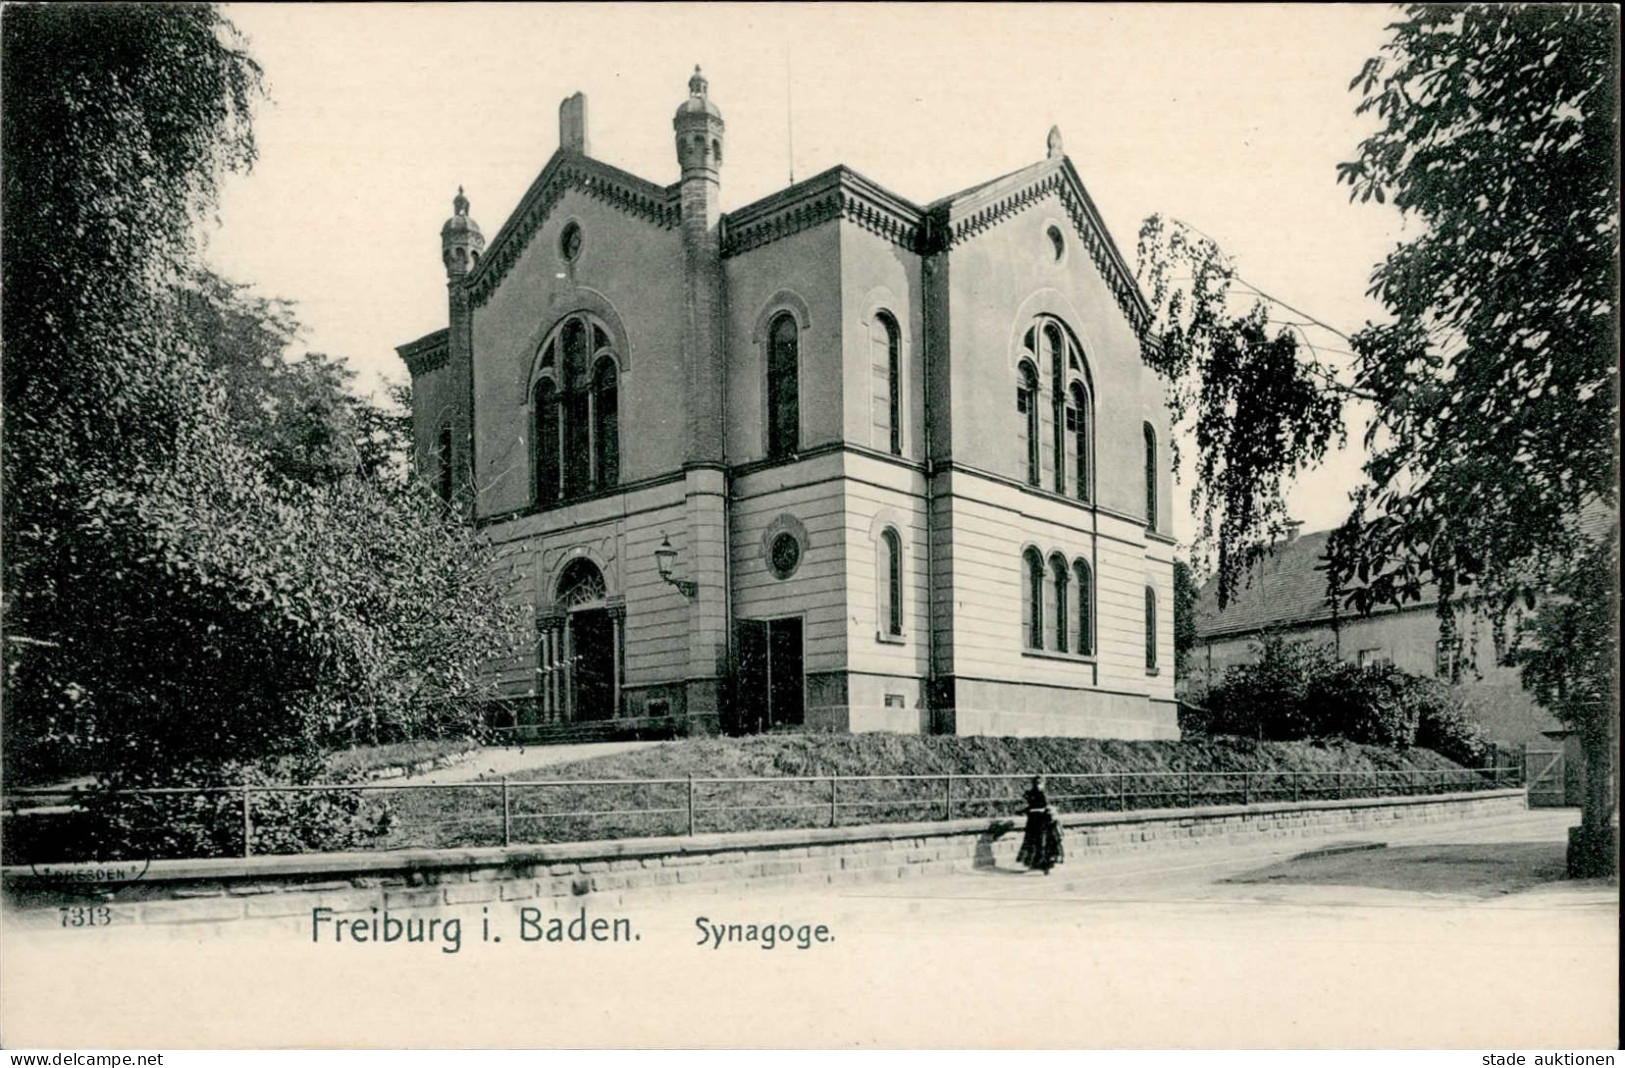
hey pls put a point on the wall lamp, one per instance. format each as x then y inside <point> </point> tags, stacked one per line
<point>665,556</point>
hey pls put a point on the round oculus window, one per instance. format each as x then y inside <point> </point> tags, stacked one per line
<point>570,242</point>
<point>785,554</point>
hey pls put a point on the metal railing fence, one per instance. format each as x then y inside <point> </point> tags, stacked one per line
<point>241,819</point>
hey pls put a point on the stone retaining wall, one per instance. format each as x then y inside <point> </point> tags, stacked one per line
<point>610,872</point>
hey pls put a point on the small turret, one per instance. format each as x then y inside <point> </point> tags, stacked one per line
<point>698,124</point>
<point>699,128</point>
<point>461,242</point>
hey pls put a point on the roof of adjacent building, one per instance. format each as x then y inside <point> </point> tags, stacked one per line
<point>1287,588</point>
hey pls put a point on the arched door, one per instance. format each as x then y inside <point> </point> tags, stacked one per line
<point>586,646</point>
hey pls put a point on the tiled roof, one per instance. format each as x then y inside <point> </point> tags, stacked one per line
<point>1286,588</point>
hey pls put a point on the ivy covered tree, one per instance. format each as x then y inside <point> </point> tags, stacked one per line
<point>212,558</point>
<point>1493,381</point>
<point>1567,650</point>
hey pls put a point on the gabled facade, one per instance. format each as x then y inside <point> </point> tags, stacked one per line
<point>833,459</point>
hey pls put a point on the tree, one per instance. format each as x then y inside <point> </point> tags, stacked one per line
<point>1186,592</point>
<point>1261,412</point>
<point>1568,654</point>
<point>119,122</point>
<point>302,414</point>
<point>1493,383</point>
<point>208,560</point>
<point>260,595</point>
<point>1496,380</point>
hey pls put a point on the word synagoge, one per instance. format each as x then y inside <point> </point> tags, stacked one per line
<point>832,459</point>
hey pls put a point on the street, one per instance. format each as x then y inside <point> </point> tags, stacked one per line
<point>1446,936</point>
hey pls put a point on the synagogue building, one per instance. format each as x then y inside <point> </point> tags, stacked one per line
<point>832,460</point>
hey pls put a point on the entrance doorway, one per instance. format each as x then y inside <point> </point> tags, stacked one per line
<point>770,685</point>
<point>592,651</point>
<point>579,645</point>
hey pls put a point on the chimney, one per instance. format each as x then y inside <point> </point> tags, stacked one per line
<point>1293,526</point>
<point>573,124</point>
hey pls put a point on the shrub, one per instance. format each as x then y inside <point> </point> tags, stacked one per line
<point>118,824</point>
<point>1368,705</point>
<point>1269,698</point>
<point>1297,690</point>
<point>1446,729</point>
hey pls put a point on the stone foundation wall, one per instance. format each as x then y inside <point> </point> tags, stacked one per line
<point>611,872</point>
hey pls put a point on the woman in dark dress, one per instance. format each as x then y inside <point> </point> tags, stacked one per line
<point>1041,847</point>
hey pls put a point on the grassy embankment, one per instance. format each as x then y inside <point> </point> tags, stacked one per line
<point>1155,779</point>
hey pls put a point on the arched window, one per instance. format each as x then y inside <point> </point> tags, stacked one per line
<point>1150,478</point>
<point>605,425</point>
<point>1055,354</point>
<point>1059,577</point>
<point>891,589</point>
<point>886,345</point>
<point>545,409</point>
<point>1032,615</point>
<point>1150,629</point>
<point>1086,613</point>
<point>1077,418</point>
<point>1027,406</point>
<point>576,415</point>
<point>783,388</point>
<point>443,468</point>
<point>1050,345</point>
<point>577,409</point>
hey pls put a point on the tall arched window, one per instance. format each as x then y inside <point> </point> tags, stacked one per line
<point>1027,406</point>
<point>1150,478</point>
<point>1059,577</point>
<point>605,425</point>
<point>1077,415</point>
<point>891,589</point>
<point>576,418</point>
<point>1150,629</point>
<point>1032,615</point>
<point>1086,613</point>
<point>1055,353</point>
<point>545,410</point>
<point>443,463</point>
<point>1052,350</point>
<point>886,357</point>
<point>577,410</point>
<point>783,388</point>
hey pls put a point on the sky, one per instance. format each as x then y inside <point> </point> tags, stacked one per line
<point>1230,118</point>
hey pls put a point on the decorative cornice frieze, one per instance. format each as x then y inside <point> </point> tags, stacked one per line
<point>957,230</point>
<point>427,353</point>
<point>792,219</point>
<point>838,193</point>
<point>877,219</point>
<point>658,205</point>
<point>1087,222</point>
